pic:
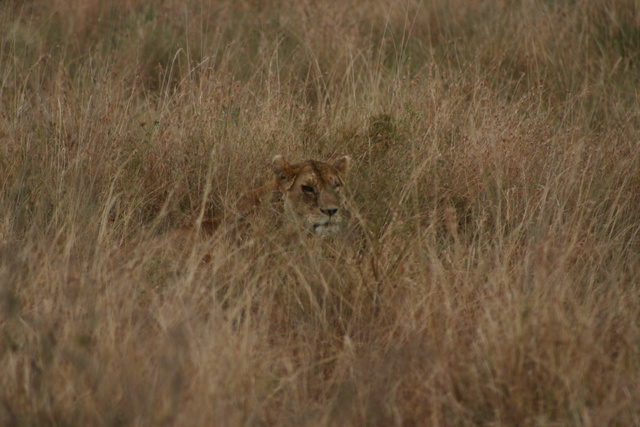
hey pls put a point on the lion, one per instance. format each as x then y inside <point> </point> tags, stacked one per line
<point>309,193</point>
<point>305,197</point>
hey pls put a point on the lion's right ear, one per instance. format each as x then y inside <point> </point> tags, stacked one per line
<point>281,168</point>
<point>342,165</point>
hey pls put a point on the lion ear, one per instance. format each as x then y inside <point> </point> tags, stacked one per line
<point>342,165</point>
<point>281,168</point>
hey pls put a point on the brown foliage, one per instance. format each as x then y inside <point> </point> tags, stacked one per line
<point>493,277</point>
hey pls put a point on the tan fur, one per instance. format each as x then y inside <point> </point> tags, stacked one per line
<point>308,193</point>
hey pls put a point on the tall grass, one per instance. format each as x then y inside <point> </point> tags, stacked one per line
<point>496,187</point>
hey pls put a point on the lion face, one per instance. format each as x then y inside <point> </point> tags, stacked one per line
<point>312,193</point>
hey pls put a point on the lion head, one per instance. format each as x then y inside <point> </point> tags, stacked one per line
<point>309,193</point>
<point>312,192</point>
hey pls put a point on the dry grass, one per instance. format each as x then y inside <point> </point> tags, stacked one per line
<point>496,182</point>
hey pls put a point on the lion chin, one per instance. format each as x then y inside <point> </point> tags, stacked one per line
<point>326,230</point>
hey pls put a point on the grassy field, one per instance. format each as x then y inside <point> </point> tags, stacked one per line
<point>495,279</point>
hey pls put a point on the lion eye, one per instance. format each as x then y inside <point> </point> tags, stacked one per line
<point>308,189</point>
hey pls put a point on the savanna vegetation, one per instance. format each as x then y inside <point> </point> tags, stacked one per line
<point>494,278</point>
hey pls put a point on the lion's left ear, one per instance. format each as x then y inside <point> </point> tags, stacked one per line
<point>342,165</point>
<point>281,168</point>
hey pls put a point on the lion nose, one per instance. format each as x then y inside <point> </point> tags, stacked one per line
<point>329,212</point>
